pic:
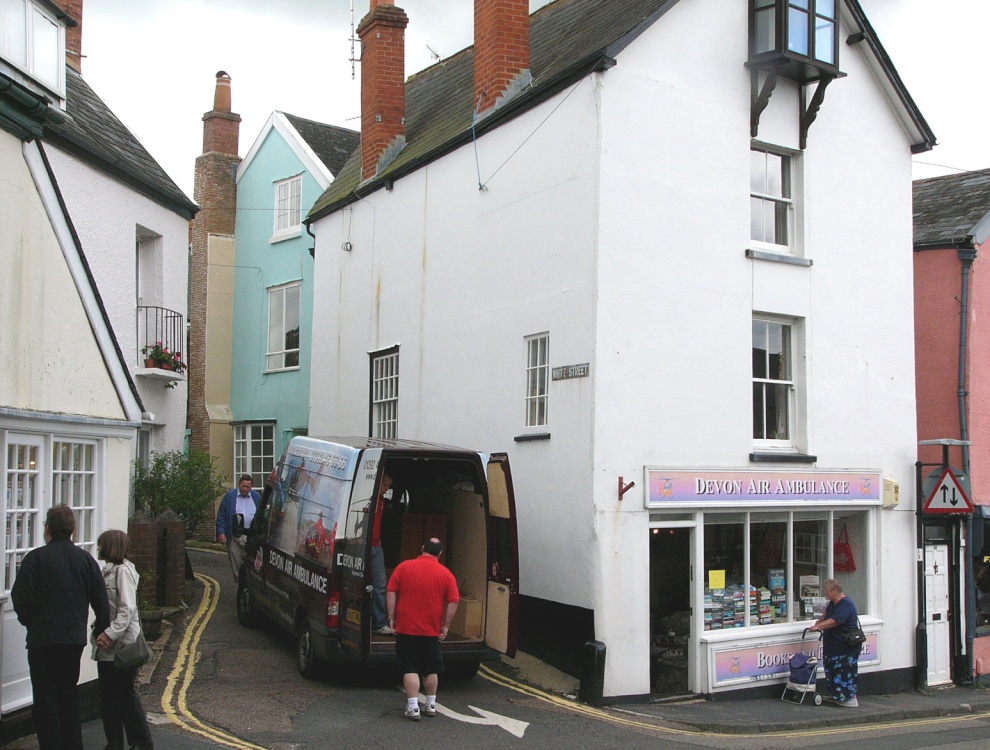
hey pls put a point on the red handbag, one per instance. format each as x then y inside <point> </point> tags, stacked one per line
<point>842,554</point>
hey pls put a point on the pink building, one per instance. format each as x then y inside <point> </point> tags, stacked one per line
<point>952,354</point>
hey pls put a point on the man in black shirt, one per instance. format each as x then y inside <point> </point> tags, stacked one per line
<point>52,594</point>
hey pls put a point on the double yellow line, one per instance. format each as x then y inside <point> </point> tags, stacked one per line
<point>174,699</point>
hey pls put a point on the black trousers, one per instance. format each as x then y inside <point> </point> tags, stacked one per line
<point>54,674</point>
<point>121,707</point>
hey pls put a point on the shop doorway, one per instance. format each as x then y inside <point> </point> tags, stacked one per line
<point>670,610</point>
<point>937,614</point>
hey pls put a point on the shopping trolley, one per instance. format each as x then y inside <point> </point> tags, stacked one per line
<point>804,674</point>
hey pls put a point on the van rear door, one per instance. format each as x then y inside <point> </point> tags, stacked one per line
<point>353,554</point>
<point>503,556</point>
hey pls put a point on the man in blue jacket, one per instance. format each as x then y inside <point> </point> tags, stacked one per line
<point>52,594</point>
<point>236,514</point>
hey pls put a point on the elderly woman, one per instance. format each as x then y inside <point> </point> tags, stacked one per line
<point>841,659</point>
<point>119,702</point>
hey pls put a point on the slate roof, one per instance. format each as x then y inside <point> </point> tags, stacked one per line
<point>568,40</point>
<point>94,134</point>
<point>332,144</point>
<point>948,210</point>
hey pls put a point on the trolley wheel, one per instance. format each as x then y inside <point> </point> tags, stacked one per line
<point>818,700</point>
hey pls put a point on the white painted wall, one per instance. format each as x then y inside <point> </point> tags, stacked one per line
<point>108,217</point>
<point>621,227</point>
<point>50,362</point>
<point>459,297</point>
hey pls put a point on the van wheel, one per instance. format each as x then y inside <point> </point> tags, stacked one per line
<point>464,670</point>
<point>306,661</point>
<point>246,615</point>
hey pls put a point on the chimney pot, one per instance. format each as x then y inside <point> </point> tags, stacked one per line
<point>221,127</point>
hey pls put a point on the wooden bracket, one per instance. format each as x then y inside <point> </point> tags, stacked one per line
<point>809,113</point>
<point>761,96</point>
<point>624,488</point>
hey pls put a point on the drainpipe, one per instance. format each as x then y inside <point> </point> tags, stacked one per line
<point>967,255</point>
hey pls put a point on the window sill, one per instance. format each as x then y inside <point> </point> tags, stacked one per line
<point>531,437</point>
<point>287,236</point>
<point>781,458</point>
<point>281,369</point>
<point>777,257</point>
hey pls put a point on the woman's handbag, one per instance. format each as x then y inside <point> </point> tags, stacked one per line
<point>854,636</point>
<point>842,554</point>
<point>132,655</point>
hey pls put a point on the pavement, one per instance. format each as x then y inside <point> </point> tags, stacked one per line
<point>722,714</point>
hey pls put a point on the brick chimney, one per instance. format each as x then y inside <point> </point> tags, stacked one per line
<point>73,34</point>
<point>221,127</point>
<point>383,83</point>
<point>215,190</point>
<point>501,49</point>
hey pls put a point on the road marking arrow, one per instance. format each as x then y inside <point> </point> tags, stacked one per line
<point>487,718</point>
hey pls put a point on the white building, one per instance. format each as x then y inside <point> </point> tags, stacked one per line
<point>82,207</point>
<point>678,296</point>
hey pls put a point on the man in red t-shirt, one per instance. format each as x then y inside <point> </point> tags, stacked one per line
<point>422,599</point>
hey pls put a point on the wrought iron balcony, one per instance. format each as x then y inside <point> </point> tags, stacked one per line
<point>161,341</point>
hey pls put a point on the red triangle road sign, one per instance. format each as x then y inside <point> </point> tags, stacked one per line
<point>948,496</point>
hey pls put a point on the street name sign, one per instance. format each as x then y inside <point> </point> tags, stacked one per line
<point>948,496</point>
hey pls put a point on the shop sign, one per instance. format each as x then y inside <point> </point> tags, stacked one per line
<point>666,488</point>
<point>766,661</point>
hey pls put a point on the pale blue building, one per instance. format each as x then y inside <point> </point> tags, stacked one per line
<point>290,164</point>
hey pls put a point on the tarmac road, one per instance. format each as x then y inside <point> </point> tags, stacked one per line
<point>218,684</point>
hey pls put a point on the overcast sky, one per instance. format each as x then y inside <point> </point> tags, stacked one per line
<point>154,63</point>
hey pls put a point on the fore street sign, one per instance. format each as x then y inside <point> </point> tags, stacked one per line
<point>948,496</point>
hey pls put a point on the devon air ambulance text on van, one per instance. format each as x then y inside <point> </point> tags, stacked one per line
<point>307,563</point>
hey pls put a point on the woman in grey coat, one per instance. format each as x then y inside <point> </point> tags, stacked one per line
<point>119,702</point>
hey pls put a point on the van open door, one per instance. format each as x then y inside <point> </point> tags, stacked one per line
<point>353,561</point>
<point>503,555</point>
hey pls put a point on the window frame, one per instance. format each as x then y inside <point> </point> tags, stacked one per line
<point>790,383</point>
<point>88,504</point>
<point>786,199</point>
<point>246,461</point>
<point>383,394</point>
<point>280,360</point>
<point>537,381</point>
<point>288,218</point>
<point>29,66</point>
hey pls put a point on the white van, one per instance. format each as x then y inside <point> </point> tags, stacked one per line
<point>308,558</point>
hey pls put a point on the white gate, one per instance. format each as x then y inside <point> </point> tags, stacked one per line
<point>22,498</point>
<point>937,614</point>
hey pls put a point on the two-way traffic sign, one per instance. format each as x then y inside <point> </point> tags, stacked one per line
<point>948,496</point>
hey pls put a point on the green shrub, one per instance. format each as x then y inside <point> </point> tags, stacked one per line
<point>186,484</point>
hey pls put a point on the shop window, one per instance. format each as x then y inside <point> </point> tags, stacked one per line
<point>768,568</point>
